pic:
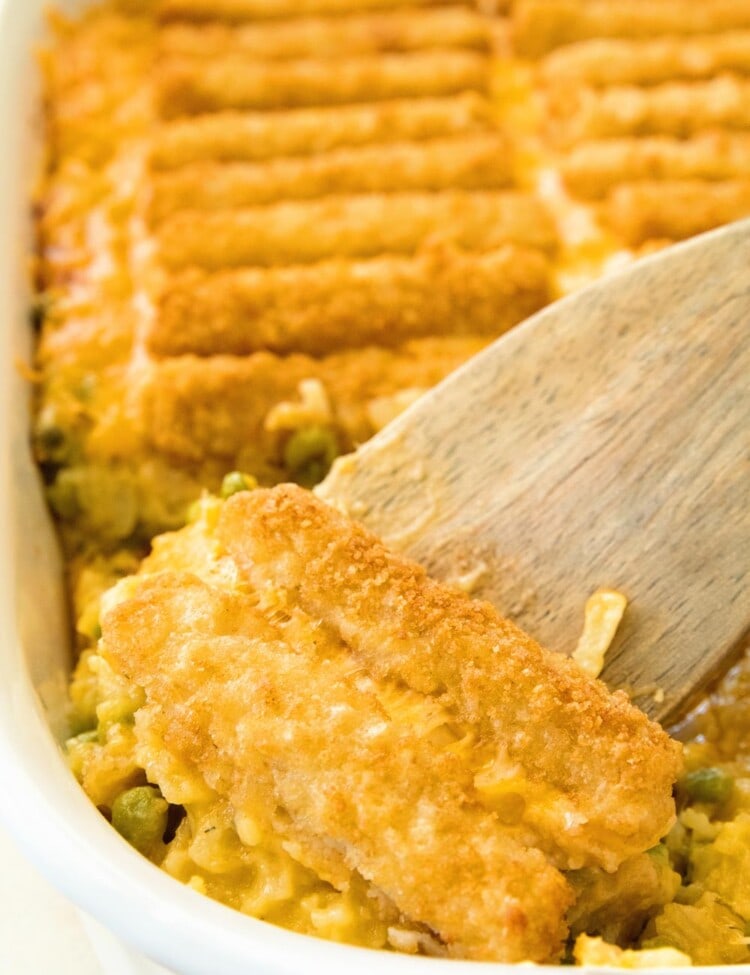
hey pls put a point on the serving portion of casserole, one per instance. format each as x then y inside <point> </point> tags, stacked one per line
<point>265,228</point>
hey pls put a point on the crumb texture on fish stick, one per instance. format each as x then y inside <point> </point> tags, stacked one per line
<point>239,10</point>
<point>322,308</point>
<point>581,748</point>
<point>277,716</point>
<point>398,30</point>
<point>259,136</point>
<point>675,209</point>
<point>677,109</point>
<point>190,86</point>
<point>352,226</point>
<point>470,162</point>
<point>593,168</point>
<point>542,25</point>
<point>637,62</point>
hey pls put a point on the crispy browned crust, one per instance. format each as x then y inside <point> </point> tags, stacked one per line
<point>593,168</point>
<point>239,10</point>
<point>648,62</point>
<point>80,61</point>
<point>188,86</point>
<point>677,109</point>
<point>591,748</point>
<point>343,304</point>
<point>94,103</point>
<point>352,226</point>
<point>542,25</point>
<point>467,162</point>
<point>260,136</point>
<point>192,409</point>
<point>276,717</point>
<point>675,210</point>
<point>398,30</point>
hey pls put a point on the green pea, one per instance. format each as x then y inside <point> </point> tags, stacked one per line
<point>63,496</point>
<point>309,453</point>
<point>659,853</point>
<point>140,816</point>
<point>708,785</point>
<point>84,738</point>
<point>236,481</point>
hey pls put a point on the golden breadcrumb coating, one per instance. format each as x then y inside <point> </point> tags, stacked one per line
<point>279,717</point>
<point>616,61</point>
<point>352,226</point>
<point>321,37</point>
<point>677,109</point>
<point>584,751</point>
<point>260,136</point>
<point>188,86</point>
<point>479,162</point>
<point>675,209</point>
<point>380,723</point>
<point>593,168</point>
<point>335,305</point>
<point>542,25</point>
<point>239,10</point>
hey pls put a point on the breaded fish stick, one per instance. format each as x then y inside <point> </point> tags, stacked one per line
<point>542,25</point>
<point>399,30</point>
<point>341,304</point>
<point>586,750</point>
<point>352,226</point>
<point>259,136</point>
<point>469,162</point>
<point>96,86</point>
<point>103,45</point>
<point>678,109</point>
<point>277,717</point>
<point>623,62</point>
<point>676,209</point>
<point>189,86</point>
<point>238,10</point>
<point>193,408</point>
<point>593,168</point>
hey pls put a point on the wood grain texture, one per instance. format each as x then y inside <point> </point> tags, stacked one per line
<point>606,442</point>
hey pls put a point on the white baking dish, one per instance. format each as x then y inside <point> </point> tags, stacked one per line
<point>40,802</point>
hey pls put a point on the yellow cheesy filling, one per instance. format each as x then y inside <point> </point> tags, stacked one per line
<point>253,254</point>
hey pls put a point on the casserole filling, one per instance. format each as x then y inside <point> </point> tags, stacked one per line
<point>265,228</point>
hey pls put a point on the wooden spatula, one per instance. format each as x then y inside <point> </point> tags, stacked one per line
<point>605,442</point>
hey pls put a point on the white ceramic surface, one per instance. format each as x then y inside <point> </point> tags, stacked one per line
<point>40,803</point>
<point>39,930</point>
<point>42,932</point>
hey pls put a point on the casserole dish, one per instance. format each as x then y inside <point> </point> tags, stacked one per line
<point>51,818</point>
